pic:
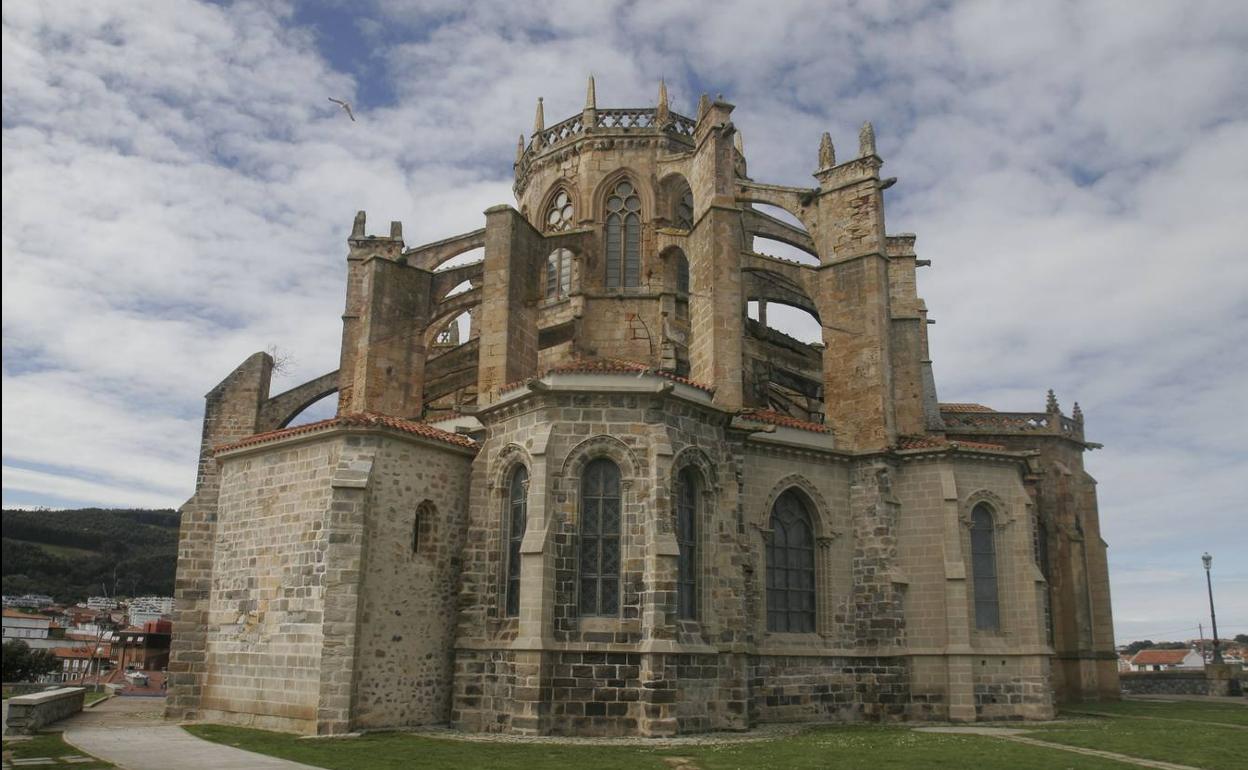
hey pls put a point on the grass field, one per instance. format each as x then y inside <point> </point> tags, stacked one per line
<point>1212,736</point>
<point>48,745</point>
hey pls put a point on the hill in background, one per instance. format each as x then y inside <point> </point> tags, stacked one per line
<point>74,554</point>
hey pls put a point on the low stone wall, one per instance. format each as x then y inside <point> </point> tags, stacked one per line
<point>1212,680</point>
<point>28,713</point>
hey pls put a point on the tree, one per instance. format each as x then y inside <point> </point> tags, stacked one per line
<point>1145,644</point>
<point>20,664</point>
<point>1241,638</point>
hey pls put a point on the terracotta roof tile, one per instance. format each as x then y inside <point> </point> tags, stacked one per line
<point>356,420</point>
<point>966,408</point>
<point>776,418</point>
<point>1159,657</point>
<point>608,366</point>
<point>933,442</point>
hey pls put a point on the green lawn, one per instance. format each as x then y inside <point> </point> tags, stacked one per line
<point>844,747</point>
<point>49,745</point>
<point>92,697</point>
<point>1199,734</point>
<point>1182,732</point>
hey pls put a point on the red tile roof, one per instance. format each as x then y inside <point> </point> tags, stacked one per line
<point>934,442</point>
<point>609,366</point>
<point>771,417</point>
<point>1159,657</point>
<point>23,615</point>
<point>966,408</point>
<point>356,420</point>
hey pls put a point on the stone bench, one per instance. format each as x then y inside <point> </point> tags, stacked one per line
<point>28,713</point>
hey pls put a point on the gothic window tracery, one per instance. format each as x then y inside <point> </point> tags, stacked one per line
<point>600,539</point>
<point>791,567</point>
<point>517,520</point>
<point>984,568</point>
<point>559,215</point>
<point>687,542</point>
<point>623,237</point>
<point>558,274</point>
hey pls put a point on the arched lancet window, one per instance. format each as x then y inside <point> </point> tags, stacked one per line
<point>558,273</point>
<point>600,539</point>
<point>425,513</point>
<point>517,519</point>
<point>682,273</point>
<point>687,541</point>
<point>559,214</point>
<point>623,237</point>
<point>984,568</point>
<point>791,567</point>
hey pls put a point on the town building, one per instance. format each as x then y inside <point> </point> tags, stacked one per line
<point>1166,660</point>
<point>583,486</point>
<point>26,626</point>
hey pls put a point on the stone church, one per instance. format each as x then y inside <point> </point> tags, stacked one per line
<point>581,486</point>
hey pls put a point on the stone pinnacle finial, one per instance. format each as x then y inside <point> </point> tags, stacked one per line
<point>396,230</point>
<point>539,120</point>
<point>1050,404</point>
<point>357,227</point>
<point>1077,414</point>
<point>738,143</point>
<point>591,96</point>
<point>704,105</point>
<point>663,115</point>
<point>866,140</point>
<point>827,153</point>
<point>519,149</point>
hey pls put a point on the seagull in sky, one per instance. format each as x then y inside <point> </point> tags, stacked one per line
<point>346,106</point>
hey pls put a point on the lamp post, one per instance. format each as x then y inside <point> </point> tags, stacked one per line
<point>1217,651</point>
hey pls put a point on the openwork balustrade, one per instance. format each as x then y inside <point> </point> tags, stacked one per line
<point>1012,422</point>
<point>616,119</point>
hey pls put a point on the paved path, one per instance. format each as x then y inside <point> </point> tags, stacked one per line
<point>1019,736</point>
<point>131,733</point>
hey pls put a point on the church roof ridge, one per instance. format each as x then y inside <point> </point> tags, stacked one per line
<point>355,420</point>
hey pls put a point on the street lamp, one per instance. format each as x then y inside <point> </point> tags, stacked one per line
<point>1217,651</point>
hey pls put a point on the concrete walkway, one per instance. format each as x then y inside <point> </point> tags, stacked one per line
<point>1019,736</point>
<point>131,733</point>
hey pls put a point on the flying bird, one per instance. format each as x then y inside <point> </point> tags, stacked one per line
<point>346,106</point>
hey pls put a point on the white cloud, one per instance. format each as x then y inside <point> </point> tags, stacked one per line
<point>177,192</point>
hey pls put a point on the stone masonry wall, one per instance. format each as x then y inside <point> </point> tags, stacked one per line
<point>264,625</point>
<point>408,597</point>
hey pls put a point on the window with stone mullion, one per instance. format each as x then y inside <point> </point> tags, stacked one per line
<point>686,541</point>
<point>517,521</point>
<point>623,244</point>
<point>600,539</point>
<point>984,569</point>
<point>790,568</point>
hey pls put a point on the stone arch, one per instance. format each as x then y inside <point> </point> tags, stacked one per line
<point>820,510</point>
<point>697,457</point>
<point>643,185</point>
<point>1002,512</point>
<point>596,447</point>
<point>579,210</point>
<point>509,459</point>
<point>671,188</point>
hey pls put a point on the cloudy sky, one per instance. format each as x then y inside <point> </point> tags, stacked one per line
<point>177,191</point>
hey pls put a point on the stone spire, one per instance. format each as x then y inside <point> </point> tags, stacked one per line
<point>866,140</point>
<point>704,105</point>
<point>1050,404</point>
<point>591,97</point>
<point>663,115</point>
<point>357,227</point>
<point>827,153</point>
<point>1076,414</point>
<point>539,125</point>
<point>519,149</point>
